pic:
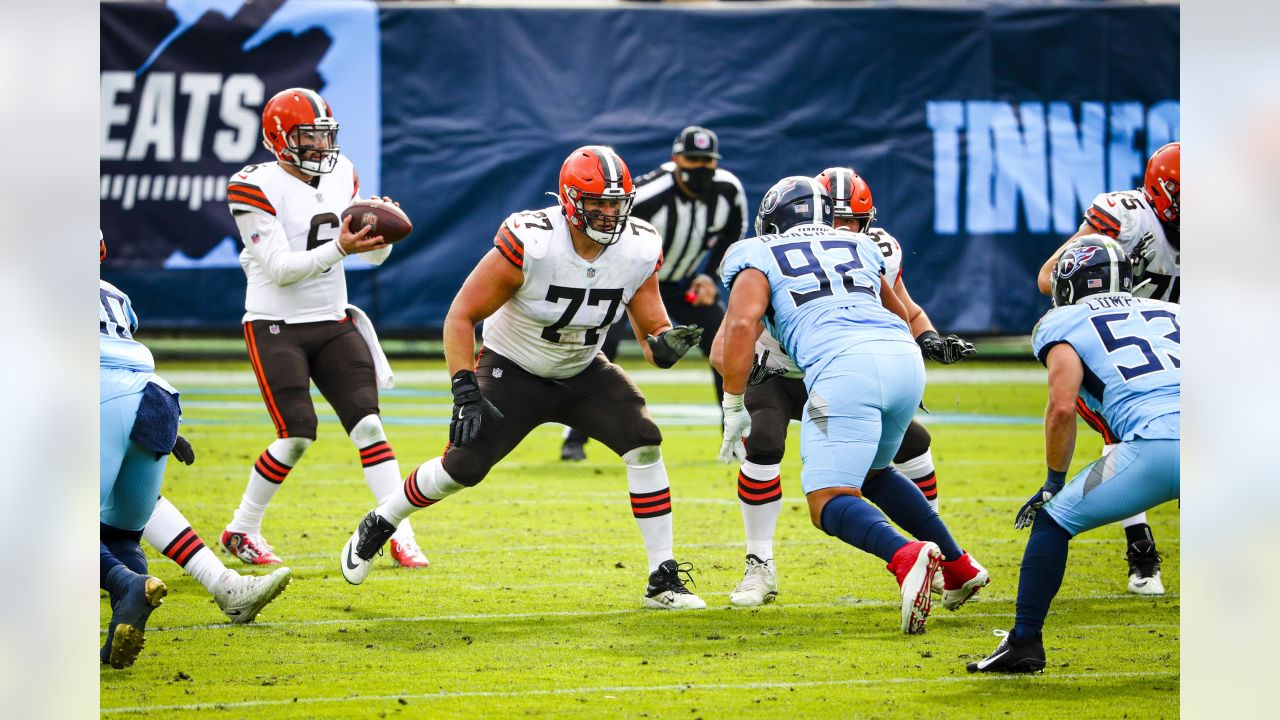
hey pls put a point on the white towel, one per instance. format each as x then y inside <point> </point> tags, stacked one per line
<point>381,368</point>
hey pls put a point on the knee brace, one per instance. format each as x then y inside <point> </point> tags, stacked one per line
<point>643,456</point>
<point>289,450</point>
<point>368,431</point>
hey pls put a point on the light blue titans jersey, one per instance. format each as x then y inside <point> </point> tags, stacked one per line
<point>825,290</point>
<point>125,365</point>
<point>1131,349</point>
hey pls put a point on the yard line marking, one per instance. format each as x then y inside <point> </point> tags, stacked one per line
<point>445,694</point>
<point>847,603</point>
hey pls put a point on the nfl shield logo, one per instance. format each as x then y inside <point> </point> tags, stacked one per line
<point>702,141</point>
<point>591,272</point>
<point>275,329</point>
<point>254,238</point>
<point>319,198</point>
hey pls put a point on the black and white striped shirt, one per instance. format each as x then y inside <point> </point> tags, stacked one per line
<point>695,232</point>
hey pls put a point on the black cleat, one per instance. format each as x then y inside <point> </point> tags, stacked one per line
<point>572,451</point>
<point>367,541</point>
<point>1012,656</point>
<point>666,590</point>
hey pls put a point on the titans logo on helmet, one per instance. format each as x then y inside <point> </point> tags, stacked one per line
<point>1072,260</point>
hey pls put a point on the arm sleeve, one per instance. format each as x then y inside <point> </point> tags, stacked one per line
<point>271,249</point>
<point>376,257</point>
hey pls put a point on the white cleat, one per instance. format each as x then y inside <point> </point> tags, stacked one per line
<point>242,597</point>
<point>759,584</point>
<point>363,545</point>
<point>1144,569</point>
<point>914,566</point>
<point>666,590</point>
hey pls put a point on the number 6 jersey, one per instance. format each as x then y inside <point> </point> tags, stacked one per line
<point>289,231</point>
<point>556,322</point>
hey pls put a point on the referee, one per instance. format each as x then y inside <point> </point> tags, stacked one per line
<point>699,209</point>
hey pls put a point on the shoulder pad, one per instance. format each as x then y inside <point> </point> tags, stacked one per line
<point>243,193</point>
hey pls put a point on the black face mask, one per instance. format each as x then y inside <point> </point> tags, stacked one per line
<point>697,179</point>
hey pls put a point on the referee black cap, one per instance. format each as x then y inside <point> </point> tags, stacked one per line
<point>696,141</point>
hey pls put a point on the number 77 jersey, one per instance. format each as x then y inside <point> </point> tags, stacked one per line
<point>824,289</point>
<point>1131,350</point>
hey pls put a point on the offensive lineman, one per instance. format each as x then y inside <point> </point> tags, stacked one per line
<point>823,294</point>
<point>297,324</point>
<point>1145,223</point>
<point>554,282</point>
<point>1123,353</point>
<point>774,404</point>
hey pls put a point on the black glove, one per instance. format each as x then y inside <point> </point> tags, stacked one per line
<point>948,350</point>
<point>183,451</point>
<point>670,345</point>
<point>469,408</point>
<point>1053,484</point>
<point>760,370</point>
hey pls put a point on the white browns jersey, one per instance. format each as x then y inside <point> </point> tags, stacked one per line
<point>289,231</point>
<point>1128,218</point>
<point>556,322</point>
<point>778,358</point>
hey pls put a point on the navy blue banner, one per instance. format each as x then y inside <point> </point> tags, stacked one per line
<point>983,131</point>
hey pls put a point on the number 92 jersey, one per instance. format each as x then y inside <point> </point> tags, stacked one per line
<point>1131,351</point>
<point>824,290</point>
<point>556,322</point>
<point>1127,218</point>
<point>281,217</point>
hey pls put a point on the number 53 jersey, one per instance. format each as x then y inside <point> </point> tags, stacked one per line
<point>825,291</point>
<point>556,322</point>
<point>1131,350</point>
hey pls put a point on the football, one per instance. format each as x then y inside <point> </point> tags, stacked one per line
<point>385,219</point>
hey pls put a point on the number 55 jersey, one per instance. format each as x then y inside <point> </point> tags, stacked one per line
<point>556,322</point>
<point>1131,351</point>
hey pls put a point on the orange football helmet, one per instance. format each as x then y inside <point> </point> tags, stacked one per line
<point>299,129</point>
<point>102,247</point>
<point>596,172</point>
<point>851,195</point>
<point>1162,183</point>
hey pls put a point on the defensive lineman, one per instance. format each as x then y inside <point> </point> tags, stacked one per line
<point>554,282</point>
<point>1145,224</point>
<point>774,404</point>
<point>823,295</point>
<point>1122,353</point>
<point>297,324</point>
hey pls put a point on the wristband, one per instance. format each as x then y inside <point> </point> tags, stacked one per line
<point>732,402</point>
<point>1055,479</point>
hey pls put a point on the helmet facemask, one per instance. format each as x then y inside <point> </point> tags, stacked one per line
<point>313,149</point>
<point>600,225</point>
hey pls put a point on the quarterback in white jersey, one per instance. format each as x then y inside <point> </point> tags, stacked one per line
<point>547,292</point>
<point>1145,223</point>
<point>298,326</point>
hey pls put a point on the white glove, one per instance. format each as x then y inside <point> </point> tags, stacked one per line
<point>737,425</point>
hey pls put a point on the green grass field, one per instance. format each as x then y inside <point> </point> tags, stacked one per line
<point>531,606</point>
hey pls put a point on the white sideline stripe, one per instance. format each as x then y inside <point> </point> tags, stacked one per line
<point>690,376</point>
<point>594,613</point>
<point>444,694</point>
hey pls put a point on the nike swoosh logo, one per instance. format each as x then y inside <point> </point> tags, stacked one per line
<point>350,565</point>
<point>987,663</point>
<point>1110,203</point>
<point>233,613</point>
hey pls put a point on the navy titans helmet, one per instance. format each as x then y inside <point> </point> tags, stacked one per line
<point>792,201</point>
<point>1091,265</point>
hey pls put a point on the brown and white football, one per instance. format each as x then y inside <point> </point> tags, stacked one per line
<point>386,219</point>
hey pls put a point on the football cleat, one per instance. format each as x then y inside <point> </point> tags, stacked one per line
<point>572,451</point>
<point>1144,569</point>
<point>242,597</point>
<point>914,565</point>
<point>367,541</point>
<point>962,578</point>
<point>666,590</point>
<point>938,582</point>
<point>759,584</point>
<point>1012,656</point>
<point>251,549</point>
<point>406,553</point>
<point>129,614</point>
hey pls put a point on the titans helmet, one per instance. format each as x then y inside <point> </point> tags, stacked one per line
<point>792,201</point>
<point>1091,265</point>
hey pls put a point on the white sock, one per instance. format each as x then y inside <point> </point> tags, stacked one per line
<point>170,533</point>
<point>381,469</point>
<point>427,485</point>
<point>651,502</point>
<point>1139,519</point>
<point>920,471</point>
<point>265,478</point>
<point>760,497</point>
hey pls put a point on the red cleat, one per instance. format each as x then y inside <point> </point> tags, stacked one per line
<point>914,566</point>
<point>251,549</point>
<point>406,553</point>
<point>961,580</point>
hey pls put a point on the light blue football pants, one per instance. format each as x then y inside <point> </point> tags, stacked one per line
<point>1136,476</point>
<point>129,475</point>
